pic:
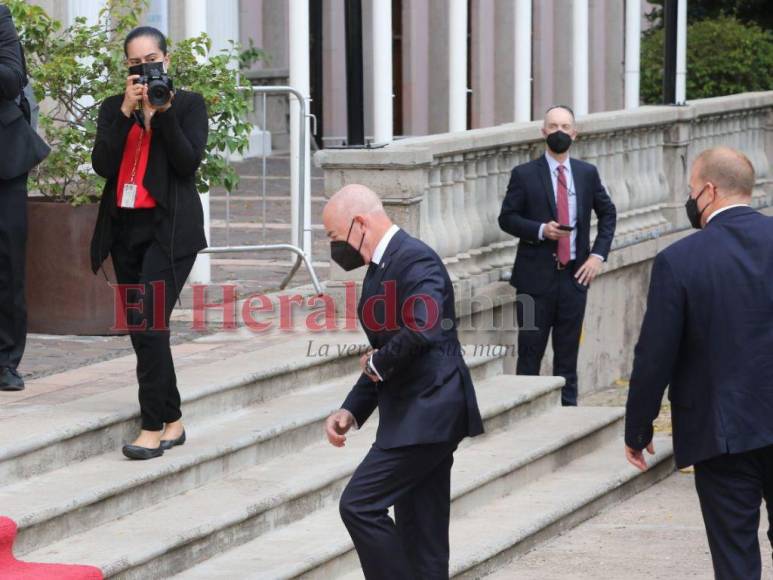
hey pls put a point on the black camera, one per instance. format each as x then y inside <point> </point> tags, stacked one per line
<point>159,84</point>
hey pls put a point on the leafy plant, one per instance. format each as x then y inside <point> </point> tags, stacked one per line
<point>747,11</point>
<point>724,56</point>
<point>74,68</point>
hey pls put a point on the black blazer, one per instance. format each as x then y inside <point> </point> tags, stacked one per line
<point>22,147</point>
<point>427,395</point>
<point>708,333</point>
<point>176,150</point>
<point>12,77</point>
<point>530,202</point>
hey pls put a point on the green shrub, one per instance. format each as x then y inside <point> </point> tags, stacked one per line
<point>724,57</point>
<point>75,68</point>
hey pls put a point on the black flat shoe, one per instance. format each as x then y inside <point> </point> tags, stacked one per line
<point>137,452</point>
<point>167,444</point>
<point>10,380</point>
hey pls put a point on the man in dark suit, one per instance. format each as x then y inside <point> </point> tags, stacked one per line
<point>13,209</point>
<point>417,378</point>
<point>708,333</point>
<point>548,207</point>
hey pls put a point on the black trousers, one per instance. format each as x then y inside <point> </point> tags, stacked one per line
<point>416,480</point>
<point>139,260</point>
<point>13,258</point>
<point>731,489</point>
<point>561,309</point>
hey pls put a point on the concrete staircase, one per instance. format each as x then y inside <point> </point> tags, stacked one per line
<point>254,492</point>
<point>263,271</point>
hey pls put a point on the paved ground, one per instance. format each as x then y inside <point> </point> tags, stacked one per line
<point>656,535</point>
<point>49,354</point>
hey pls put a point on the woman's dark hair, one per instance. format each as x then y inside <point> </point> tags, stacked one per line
<point>145,31</point>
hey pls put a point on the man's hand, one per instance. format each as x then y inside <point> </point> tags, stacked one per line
<point>337,425</point>
<point>551,231</point>
<point>636,458</point>
<point>364,366</point>
<point>589,270</point>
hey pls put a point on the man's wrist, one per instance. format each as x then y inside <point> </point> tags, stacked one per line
<point>350,414</point>
<point>541,233</point>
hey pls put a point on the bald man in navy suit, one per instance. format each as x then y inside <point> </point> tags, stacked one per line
<point>708,336</point>
<point>417,378</point>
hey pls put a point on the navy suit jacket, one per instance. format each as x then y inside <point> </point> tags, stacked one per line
<point>531,202</point>
<point>407,312</point>
<point>708,333</point>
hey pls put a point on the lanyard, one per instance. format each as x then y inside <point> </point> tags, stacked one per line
<point>137,156</point>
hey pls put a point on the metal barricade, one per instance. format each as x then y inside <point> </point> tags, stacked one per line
<point>296,248</point>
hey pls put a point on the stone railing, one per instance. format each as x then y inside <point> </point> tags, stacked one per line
<point>448,188</point>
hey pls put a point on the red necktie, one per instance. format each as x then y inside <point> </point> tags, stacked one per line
<point>562,203</point>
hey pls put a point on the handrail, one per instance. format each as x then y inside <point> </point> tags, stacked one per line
<point>302,256</point>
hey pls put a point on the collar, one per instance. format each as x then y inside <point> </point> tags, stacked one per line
<point>553,163</point>
<point>381,247</point>
<point>719,211</point>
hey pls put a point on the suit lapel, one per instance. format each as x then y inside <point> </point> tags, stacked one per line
<point>386,259</point>
<point>372,283</point>
<point>547,185</point>
<point>579,191</point>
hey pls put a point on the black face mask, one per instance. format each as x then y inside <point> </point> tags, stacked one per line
<point>559,142</point>
<point>691,207</point>
<point>344,254</point>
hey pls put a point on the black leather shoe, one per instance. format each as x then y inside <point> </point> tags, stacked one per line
<point>137,452</point>
<point>167,444</point>
<point>10,380</point>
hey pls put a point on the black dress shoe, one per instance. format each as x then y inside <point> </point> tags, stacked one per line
<point>167,444</point>
<point>137,452</point>
<point>10,380</point>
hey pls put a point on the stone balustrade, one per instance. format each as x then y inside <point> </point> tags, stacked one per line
<point>447,189</point>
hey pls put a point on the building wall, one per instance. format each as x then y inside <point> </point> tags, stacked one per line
<point>425,54</point>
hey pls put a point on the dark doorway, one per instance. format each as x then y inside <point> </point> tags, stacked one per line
<point>315,69</point>
<point>397,67</point>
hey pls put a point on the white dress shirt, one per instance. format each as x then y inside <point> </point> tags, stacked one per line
<point>378,254</point>
<point>553,165</point>
<point>720,210</point>
<point>381,247</point>
<point>572,194</point>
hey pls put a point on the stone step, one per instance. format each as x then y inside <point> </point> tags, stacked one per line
<point>486,542</point>
<point>320,246</point>
<point>244,207</point>
<point>75,498</point>
<point>192,526</point>
<point>252,184</point>
<point>485,469</point>
<point>276,165</point>
<point>36,442</point>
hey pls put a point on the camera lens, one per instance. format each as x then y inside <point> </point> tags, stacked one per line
<point>158,93</point>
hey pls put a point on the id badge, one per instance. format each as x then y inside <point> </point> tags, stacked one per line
<point>129,196</point>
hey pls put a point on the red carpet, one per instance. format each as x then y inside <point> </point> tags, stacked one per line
<point>12,569</point>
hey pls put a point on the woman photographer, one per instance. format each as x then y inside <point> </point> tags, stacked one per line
<point>151,223</point>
